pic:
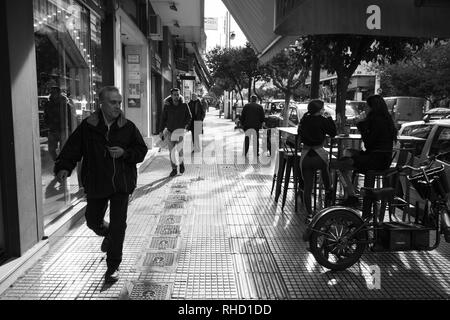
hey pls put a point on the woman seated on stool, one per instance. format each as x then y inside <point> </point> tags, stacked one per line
<point>378,134</point>
<point>312,131</point>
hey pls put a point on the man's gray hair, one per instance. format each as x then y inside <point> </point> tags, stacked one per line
<point>103,91</point>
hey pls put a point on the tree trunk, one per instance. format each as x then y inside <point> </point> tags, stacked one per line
<point>315,77</point>
<point>287,98</point>
<point>242,98</point>
<point>343,80</point>
<point>249,89</point>
<point>254,91</point>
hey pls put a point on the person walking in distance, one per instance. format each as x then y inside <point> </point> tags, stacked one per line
<point>252,119</point>
<point>196,126</point>
<point>176,118</point>
<point>110,146</point>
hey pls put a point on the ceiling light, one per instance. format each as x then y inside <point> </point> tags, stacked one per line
<point>173,7</point>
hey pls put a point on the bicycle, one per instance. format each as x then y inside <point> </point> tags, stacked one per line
<point>338,236</point>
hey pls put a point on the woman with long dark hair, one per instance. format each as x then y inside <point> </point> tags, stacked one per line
<point>378,134</point>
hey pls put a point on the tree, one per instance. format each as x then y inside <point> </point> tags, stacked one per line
<point>227,68</point>
<point>288,71</point>
<point>248,61</point>
<point>341,54</point>
<point>426,75</point>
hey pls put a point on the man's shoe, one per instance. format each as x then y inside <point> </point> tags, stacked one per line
<point>182,168</point>
<point>112,276</point>
<point>105,244</point>
<point>351,201</point>
<point>173,173</point>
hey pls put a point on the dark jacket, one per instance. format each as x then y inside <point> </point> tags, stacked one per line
<point>175,117</point>
<point>54,116</point>
<point>197,111</point>
<point>252,116</point>
<point>376,133</point>
<point>312,130</point>
<point>101,175</point>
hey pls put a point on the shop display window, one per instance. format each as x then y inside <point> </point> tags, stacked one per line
<point>68,59</point>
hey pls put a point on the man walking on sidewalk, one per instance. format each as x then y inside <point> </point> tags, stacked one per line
<point>252,119</point>
<point>176,118</point>
<point>110,146</point>
<point>196,126</point>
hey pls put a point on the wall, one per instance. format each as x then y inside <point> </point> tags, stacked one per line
<point>140,114</point>
<point>24,104</point>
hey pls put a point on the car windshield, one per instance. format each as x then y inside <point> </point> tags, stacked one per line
<point>442,143</point>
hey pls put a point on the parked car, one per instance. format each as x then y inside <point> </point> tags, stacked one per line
<point>405,109</point>
<point>275,105</point>
<point>297,110</point>
<point>437,141</point>
<point>438,113</point>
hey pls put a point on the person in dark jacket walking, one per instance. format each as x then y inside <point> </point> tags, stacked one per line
<point>312,131</point>
<point>176,118</point>
<point>196,126</point>
<point>252,119</point>
<point>109,146</point>
<point>59,116</point>
<point>378,134</point>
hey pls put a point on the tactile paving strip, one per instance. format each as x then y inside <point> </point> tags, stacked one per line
<point>261,286</point>
<point>167,229</point>
<point>206,286</point>
<point>277,232</point>
<point>204,263</point>
<point>249,245</point>
<point>206,244</point>
<point>261,263</point>
<point>241,220</point>
<point>246,231</point>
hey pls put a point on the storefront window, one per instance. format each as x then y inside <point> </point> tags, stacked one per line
<point>68,56</point>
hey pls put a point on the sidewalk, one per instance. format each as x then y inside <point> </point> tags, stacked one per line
<point>216,233</point>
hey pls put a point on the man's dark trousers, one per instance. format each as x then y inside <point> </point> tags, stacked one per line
<point>95,213</point>
<point>248,134</point>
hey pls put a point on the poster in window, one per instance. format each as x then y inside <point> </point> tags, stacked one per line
<point>134,93</point>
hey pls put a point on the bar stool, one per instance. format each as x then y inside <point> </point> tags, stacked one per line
<point>291,162</point>
<point>388,177</point>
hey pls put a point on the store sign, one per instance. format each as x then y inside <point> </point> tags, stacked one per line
<point>211,24</point>
<point>134,81</point>
<point>406,18</point>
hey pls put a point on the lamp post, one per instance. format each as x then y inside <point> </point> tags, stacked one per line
<point>229,35</point>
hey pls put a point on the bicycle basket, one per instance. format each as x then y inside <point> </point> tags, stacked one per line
<point>438,186</point>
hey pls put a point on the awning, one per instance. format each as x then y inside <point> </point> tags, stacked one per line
<point>201,68</point>
<point>256,20</point>
<point>400,18</point>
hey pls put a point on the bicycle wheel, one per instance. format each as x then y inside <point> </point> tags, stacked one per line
<point>331,243</point>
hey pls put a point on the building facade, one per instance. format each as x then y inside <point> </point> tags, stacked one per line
<point>58,54</point>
